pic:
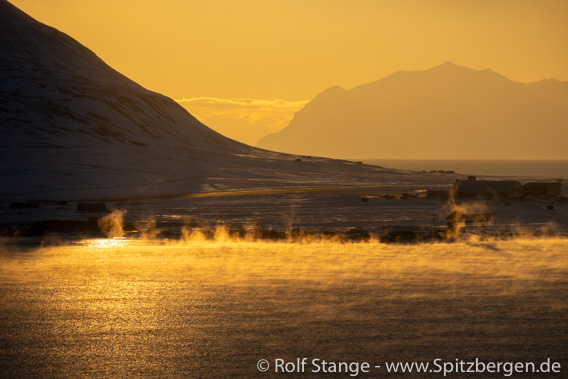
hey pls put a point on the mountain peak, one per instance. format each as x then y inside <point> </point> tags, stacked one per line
<point>448,65</point>
<point>453,69</point>
<point>447,111</point>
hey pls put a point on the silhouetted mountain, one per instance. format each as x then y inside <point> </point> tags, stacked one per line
<point>72,126</point>
<point>448,111</point>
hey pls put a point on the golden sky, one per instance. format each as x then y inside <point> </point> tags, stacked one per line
<point>265,50</point>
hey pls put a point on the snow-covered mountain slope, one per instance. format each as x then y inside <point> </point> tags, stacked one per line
<point>71,126</point>
<point>66,114</point>
<point>446,112</point>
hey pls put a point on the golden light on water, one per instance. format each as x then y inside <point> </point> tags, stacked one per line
<point>244,260</point>
<point>108,243</point>
<point>188,308</point>
<point>211,304</point>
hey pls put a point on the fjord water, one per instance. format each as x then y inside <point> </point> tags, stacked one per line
<point>120,308</point>
<point>552,169</point>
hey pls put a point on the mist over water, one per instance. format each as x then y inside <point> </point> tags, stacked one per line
<point>196,308</point>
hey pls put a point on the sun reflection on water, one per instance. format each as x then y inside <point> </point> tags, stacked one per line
<point>114,307</point>
<point>106,243</point>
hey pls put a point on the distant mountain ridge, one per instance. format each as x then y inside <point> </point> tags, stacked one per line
<point>448,111</point>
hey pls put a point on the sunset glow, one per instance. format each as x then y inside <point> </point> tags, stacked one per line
<point>293,50</point>
<point>243,188</point>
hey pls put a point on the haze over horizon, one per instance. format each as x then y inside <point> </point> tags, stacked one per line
<point>244,68</point>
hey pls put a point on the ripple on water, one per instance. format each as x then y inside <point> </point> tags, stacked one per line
<point>123,307</point>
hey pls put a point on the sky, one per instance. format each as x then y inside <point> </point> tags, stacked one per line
<point>243,67</point>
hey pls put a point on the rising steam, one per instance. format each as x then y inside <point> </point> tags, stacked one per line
<point>112,224</point>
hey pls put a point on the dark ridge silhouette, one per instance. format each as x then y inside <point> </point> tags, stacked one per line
<point>72,126</point>
<point>448,111</point>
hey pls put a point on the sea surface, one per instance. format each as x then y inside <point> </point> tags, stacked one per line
<point>214,309</point>
<point>553,169</point>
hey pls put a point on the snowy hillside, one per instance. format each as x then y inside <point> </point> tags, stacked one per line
<point>72,126</point>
